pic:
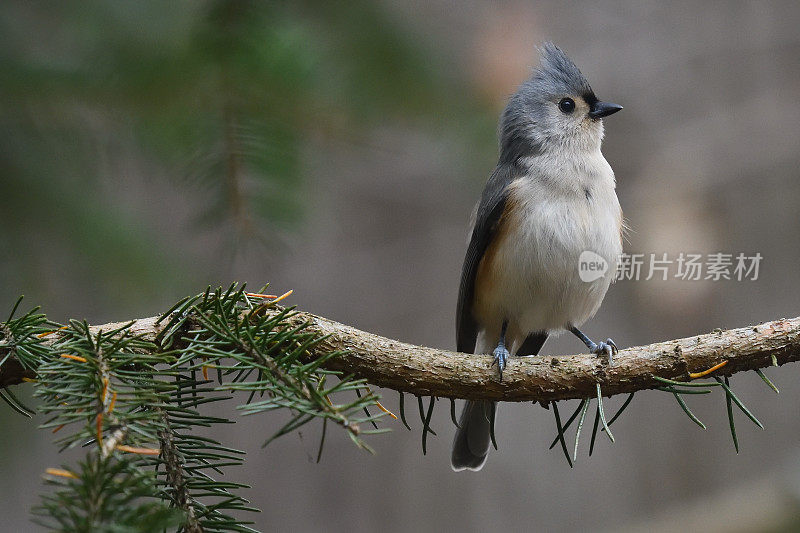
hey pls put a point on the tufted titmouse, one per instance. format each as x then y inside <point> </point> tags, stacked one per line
<point>550,202</point>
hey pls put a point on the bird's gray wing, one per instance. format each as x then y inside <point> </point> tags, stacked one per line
<point>490,210</point>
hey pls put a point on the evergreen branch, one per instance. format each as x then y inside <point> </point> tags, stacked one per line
<point>244,334</point>
<point>428,371</point>
<point>106,383</point>
<point>121,393</point>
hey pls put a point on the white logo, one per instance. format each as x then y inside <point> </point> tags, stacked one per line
<point>591,266</point>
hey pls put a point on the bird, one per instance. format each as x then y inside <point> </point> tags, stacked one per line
<point>548,211</point>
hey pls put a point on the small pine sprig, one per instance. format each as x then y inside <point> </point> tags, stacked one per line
<point>105,494</point>
<point>105,391</point>
<point>262,354</point>
<point>105,385</point>
<point>187,463</point>
<point>121,394</point>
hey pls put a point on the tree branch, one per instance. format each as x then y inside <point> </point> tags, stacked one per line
<point>429,371</point>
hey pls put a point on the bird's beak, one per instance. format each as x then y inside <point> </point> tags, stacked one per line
<point>603,109</point>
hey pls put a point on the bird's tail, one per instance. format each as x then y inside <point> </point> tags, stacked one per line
<point>473,436</point>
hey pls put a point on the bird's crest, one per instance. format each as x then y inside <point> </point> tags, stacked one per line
<point>559,74</point>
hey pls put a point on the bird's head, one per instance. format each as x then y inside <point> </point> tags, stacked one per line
<point>554,109</point>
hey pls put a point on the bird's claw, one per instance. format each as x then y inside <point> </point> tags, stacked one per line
<point>501,355</point>
<point>607,348</point>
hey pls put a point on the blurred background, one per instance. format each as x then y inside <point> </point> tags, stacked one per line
<point>149,149</point>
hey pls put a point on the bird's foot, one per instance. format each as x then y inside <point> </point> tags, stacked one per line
<point>501,355</point>
<point>607,348</point>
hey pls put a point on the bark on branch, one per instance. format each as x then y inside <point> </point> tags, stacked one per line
<point>429,371</point>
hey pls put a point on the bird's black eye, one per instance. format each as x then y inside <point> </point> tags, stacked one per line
<point>567,105</point>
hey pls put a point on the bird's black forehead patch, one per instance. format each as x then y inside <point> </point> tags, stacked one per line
<point>589,98</point>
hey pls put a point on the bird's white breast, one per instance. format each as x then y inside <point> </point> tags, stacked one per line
<point>561,208</point>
